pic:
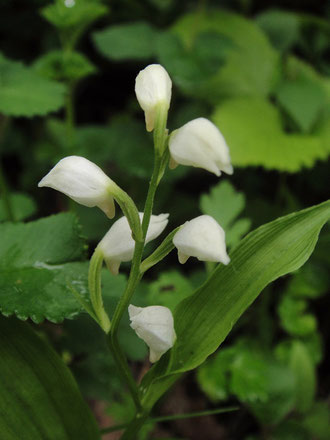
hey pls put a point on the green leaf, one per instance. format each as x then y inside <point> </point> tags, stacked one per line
<point>169,289</point>
<point>126,41</point>
<point>64,66</point>
<point>213,375</point>
<point>294,319</point>
<point>204,319</point>
<point>281,395</point>
<point>303,100</point>
<point>303,368</point>
<point>81,14</point>
<point>193,67</point>
<point>261,140</point>
<point>22,204</point>
<point>311,281</point>
<point>225,204</point>
<point>25,93</point>
<point>39,398</point>
<point>249,381</point>
<point>38,264</point>
<point>250,48</point>
<point>282,27</point>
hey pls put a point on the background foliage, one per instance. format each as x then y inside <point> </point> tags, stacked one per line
<point>260,71</point>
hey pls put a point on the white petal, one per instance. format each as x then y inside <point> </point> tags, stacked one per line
<point>153,86</point>
<point>202,238</point>
<point>155,325</point>
<point>82,181</point>
<point>118,245</point>
<point>200,144</point>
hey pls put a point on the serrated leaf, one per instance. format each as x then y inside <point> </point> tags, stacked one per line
<point>23,207</point>
<point>311,281</point>
<point>25,93</point>
<point>238,76</point>
<point>64,66</point>
<point>225,204</point>
<point>39,398</point>
<point>204,319</point>
<point>38,264</point>
<point>126,41</point>
<point>261,140</point>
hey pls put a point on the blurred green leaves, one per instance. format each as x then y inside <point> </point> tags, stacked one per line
<point>64,66</point>
<point>225,204</point>
<point>253,130</point>
<point>25,93</point>
<point>23,207</point>
<point>39,262</point>
<point>126,41</point>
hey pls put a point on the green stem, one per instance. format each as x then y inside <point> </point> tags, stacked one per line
<point>135,275</point>
<point>69,116</point>
<point>95,290</point>
<point>174,417</point>
<point>124,369</point>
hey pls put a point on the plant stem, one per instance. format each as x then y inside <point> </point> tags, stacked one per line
<point>69,116</point>
<point>174,417</point>
<point>95,289</point>
<point>124,369</point>
<point>135,275</point>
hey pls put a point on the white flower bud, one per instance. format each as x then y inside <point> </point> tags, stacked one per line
<point>153,87</point>
<point>82,181</point>
<point>202,238</point>
<point>200,144</point>
<point>118,245</point>
<point>155,325</point>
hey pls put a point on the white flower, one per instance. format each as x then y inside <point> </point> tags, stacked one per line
<point>202,238</point>
<point>200,144</point>
<point>118,245</point>
<point>153,87</point>
<point>82,181</point>
<point>155,325</point>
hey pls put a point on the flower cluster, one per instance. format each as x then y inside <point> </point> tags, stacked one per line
<point>199,143</point>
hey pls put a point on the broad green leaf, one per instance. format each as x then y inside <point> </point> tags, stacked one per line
<point>39,261</point>
<point>23,207</point>
<point>39,398</point>
<point>64,66</point>
<point>204,319</point>
<point>25,93</point>
<point>261,140</point>
<point>126,41</point>
<point>225,204</point>
<point>282,27</point>
<point>304,370</point>
<point>239,75</point>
